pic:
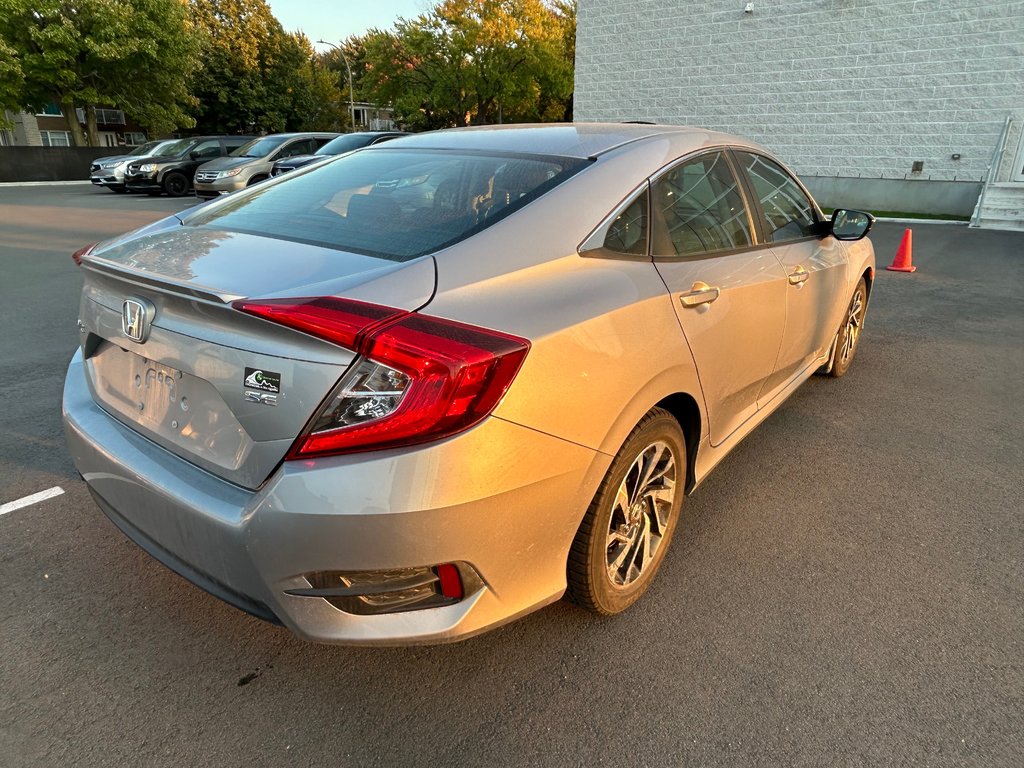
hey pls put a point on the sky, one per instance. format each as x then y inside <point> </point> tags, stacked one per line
<point>337,20</point>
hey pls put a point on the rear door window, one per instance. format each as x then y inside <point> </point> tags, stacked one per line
<point>788,213</point>
<point>697,209</point>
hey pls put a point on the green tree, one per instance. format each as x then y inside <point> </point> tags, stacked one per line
<point>12,80</point>
<point>137,55</point>
<point>256,77</point>
<point>474,62</point>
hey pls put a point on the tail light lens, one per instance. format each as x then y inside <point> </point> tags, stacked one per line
<point>420,378</point>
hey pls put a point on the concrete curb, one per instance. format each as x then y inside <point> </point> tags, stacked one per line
<point>41,183</point>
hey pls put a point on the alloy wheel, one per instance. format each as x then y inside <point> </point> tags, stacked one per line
<point>640,513</point>
<point>854,322</point>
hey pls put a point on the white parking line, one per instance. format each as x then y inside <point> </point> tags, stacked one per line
<point>35,498</point>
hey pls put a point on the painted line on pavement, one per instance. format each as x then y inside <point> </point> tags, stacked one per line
<point>35,498</point>
<point>41,183</point>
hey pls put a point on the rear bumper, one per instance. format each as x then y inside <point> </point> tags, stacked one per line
<point>502,498</point>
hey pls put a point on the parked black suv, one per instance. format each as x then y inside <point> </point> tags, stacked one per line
<point>172,170</point>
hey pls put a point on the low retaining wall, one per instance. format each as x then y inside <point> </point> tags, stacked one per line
<point>51,163</point>
<point>942,198</point>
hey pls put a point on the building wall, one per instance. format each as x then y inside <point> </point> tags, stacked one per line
<point>836,87</point>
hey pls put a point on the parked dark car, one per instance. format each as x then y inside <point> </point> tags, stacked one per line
<point>173,169</point>
<point>338,146</point>
<point>109,171</point>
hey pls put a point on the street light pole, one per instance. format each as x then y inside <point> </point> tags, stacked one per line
<point>351,93</point>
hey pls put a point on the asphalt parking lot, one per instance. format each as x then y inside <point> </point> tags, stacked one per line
<point>846,588</point>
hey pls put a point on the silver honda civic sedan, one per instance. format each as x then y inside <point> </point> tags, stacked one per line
<point>421,390</point>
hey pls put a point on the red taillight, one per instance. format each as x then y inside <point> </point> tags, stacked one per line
<point>421,377</point>
<point>84,251</point>
<point>341,321</point>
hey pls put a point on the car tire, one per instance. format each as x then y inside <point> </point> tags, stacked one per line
<point>256,180</point>
<point>118,190</point>
<point>626,532</point>
<point>175,184</point>
<point>848,337</point>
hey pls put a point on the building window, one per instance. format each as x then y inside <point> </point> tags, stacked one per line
<point>6,139</point>
<point>110,116</point>
<point>134,138</point>
<point>51,109</point>
<point>56,138</point>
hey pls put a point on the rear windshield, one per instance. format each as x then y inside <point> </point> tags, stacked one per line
<point>391,203</point>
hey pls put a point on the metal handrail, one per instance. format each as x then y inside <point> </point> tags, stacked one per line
<point>993,166</point>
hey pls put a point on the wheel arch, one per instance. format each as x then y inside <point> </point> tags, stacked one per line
<point>683,406</point>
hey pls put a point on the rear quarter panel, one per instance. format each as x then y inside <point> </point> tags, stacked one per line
<point>606,344</point>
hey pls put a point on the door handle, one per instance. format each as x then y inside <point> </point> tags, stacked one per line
<point>798,276</point>
<point>700,293</point>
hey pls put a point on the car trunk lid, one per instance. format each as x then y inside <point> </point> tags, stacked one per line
<point>222,389</point>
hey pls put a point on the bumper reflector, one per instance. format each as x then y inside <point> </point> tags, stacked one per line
<point>396,590</point>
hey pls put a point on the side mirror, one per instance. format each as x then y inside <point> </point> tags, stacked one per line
<point>851,225</point>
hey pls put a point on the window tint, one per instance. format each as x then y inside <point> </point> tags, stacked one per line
<point>303,147</point>
<point>390,203</point>
<point>788,213</point>
<point>699,209</point>
<point>628,233</point>
<point>207,150</point>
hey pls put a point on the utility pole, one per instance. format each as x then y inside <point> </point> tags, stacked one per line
<point>351,93</point>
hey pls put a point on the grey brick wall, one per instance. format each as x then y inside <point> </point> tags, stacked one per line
<point>835,87</point>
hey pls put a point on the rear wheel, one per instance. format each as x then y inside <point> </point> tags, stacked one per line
<point>849,332</point>
<point>626,532</point>
<point>175,184</point>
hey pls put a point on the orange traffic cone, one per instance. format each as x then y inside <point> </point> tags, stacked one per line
<point>904,257</point>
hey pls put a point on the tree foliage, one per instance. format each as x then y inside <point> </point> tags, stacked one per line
<point>473,62</point>
<point>229,66</point>
<point>133,54</point>
<point>256,77</point>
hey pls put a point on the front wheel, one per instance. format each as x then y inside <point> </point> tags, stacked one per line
<point>627,529</point>
<point>175,184</point>
<point>849,332</point>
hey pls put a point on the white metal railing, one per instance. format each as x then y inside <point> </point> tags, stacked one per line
<point>993,168</point>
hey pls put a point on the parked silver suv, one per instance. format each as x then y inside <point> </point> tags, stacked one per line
<point>252,163</point>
